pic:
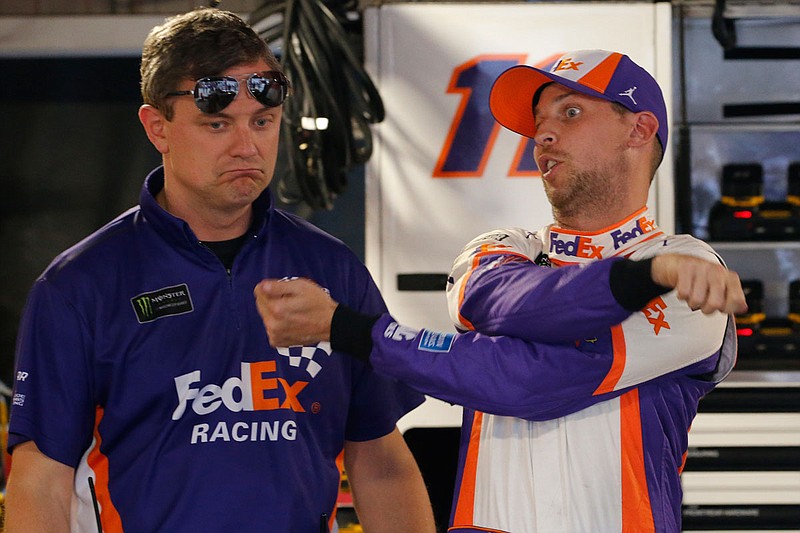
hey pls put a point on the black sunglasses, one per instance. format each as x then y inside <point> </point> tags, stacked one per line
<point>215,93</point>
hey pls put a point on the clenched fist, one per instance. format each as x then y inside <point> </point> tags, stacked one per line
<point>295,312</point>
<point>701,284</point>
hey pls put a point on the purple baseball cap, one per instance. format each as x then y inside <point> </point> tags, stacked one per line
<point>608,75</point>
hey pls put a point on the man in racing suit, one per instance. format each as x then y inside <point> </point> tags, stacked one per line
<point>579,382</point>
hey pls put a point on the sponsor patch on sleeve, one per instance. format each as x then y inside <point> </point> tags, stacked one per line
<point>435,341</point>
<point>396,332</point>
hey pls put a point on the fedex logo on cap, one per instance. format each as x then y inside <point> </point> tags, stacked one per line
<point>589,68</point>
<point>580,246</point>
<point>566,63</point>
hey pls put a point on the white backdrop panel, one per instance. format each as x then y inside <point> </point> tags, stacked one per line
<point>433,65</point>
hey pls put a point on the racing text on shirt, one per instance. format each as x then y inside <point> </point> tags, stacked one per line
<point>254,390</point>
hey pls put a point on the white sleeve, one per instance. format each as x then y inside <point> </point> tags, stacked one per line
<point>667,335</point>
<point>501,242</point>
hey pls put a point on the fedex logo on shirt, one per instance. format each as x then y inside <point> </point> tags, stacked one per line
<point>640,227</point>
<point>654,312</point>
<point>580,246</point>
<point>255,390</point>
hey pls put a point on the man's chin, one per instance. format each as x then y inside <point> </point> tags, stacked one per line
<point>244,193</point>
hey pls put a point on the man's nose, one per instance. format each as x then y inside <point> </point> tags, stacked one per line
<point>544,134</point>
<point>244,144</point>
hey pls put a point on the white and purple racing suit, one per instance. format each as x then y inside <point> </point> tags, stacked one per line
<point>579,382</point>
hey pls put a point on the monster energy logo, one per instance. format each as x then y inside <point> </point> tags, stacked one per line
<point>145,306</point>
<point>163,302</point>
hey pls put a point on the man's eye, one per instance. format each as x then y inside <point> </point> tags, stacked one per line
<point>215,125</point>
<point>573,112</point>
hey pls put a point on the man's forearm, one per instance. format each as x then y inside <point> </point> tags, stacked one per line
<point>39,493</point>
<point>388,490</point>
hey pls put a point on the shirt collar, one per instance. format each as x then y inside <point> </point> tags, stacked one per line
<point>566,246</point>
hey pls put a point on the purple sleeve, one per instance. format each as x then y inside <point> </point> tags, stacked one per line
<point>377,401</point>
<point>52,402</point>
<point>498,375</point>
<point>520,299</point>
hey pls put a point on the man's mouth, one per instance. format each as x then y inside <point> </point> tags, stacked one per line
<point>546,165</point>
<point>238,172</point>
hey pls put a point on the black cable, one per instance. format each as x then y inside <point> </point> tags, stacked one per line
<point>723,29</point>
<point>329,82</point>
<point>683,164</point>
<point>96,505</point>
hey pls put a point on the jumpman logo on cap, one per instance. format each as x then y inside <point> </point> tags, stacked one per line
<point>629,94</point>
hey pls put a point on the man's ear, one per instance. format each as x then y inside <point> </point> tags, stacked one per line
<point>154,125</point>
<point>644,128</point>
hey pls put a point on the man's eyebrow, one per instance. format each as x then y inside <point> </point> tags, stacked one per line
<point>218,114</point>
<point>558,99</point>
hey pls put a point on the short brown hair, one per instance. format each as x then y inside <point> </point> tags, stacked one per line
<point>203,42</point>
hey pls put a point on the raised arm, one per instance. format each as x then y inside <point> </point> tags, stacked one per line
<point>497,287</point>
<point>499,375</point>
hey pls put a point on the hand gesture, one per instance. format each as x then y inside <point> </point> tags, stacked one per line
<point>702,284</point>
<point>295,312</point>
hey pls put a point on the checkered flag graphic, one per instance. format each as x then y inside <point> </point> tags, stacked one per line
<point>303,356</point>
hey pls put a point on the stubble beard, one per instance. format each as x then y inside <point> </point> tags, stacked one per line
<point>589,193</point>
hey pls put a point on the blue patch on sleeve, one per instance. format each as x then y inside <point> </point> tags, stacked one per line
<point>434,341</point>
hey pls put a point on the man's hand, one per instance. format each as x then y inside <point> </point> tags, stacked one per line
<point>702,284</point>
<point>295,312</point>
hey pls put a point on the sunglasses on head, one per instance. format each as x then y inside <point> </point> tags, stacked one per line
<point>215,93</point>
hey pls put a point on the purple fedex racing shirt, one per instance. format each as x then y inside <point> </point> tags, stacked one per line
<point>147,368</point>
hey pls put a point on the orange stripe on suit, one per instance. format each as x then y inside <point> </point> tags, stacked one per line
<point>466,494</point>
<point>637,513</point>
<point>112,523</point>
<point>615,372</point>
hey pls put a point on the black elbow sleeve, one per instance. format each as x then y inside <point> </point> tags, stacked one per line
<point>351,332</point>
<point>632,285</point>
